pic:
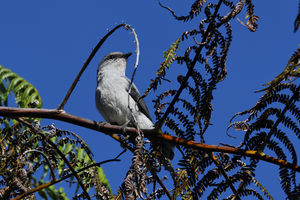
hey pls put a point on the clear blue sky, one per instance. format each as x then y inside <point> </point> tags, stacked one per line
<point>46,42</point>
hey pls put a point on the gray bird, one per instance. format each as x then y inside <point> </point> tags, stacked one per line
<point>113,102</point>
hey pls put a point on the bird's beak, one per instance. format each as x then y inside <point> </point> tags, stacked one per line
<point>126,56</point>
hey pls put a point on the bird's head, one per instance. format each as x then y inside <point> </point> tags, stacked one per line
<point>115,61</point>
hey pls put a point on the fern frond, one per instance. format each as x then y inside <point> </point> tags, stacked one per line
<point>287,143</point>
<point>289,71</point>
<point>289,123</point>
<point>262,188</point>
<point>283,172</point>
<point>26,94</point>
<point>169,56</point>
<point>250,192</point>
<point>205,182</point>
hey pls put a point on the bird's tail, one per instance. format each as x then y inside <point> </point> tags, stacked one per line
<point>165,148</point>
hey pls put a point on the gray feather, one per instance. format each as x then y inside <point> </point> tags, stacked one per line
<point>135,94</point>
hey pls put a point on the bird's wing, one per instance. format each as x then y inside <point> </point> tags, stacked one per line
<point>135,94</point>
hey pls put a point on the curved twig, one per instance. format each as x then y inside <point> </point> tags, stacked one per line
<point>137,58</point>
<point>171,11</point>
<point>93,53</point>
<point>47,160</point>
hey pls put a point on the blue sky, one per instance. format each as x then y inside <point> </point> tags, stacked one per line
<point>47,43</point>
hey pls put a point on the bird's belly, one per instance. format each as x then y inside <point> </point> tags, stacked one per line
<point>111,104</point>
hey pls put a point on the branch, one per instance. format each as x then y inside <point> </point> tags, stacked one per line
<point>97,47</point>
<point>111,129</point>
<point>137,54</point>
<point>236,151</point>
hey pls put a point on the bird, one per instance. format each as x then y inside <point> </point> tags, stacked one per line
<point>119,104</point>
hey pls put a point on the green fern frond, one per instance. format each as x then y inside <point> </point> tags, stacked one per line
<point>182,184</point>
<point>169,58</point>
<point>26,95</point>
<point>74,147</point>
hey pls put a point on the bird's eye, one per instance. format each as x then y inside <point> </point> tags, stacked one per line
<point>111,57</point>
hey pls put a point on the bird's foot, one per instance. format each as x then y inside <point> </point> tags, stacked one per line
<point>102,124</point>
<point>123,127</point>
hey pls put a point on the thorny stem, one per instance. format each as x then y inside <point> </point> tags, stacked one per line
<point>54,181</point>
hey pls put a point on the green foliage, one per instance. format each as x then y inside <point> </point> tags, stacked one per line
<point>26,152</point>
<point>169,56</point>
<point>25,94</point>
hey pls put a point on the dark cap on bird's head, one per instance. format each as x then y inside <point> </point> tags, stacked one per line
<point>116,55</point>
<point>116,60</point>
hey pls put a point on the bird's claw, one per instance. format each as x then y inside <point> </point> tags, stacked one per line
<point>102,124</point>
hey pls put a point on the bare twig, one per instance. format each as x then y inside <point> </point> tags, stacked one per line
<point>161,184</point>
<point>171,11</point>
<point>93,53</point>
<point>46,158</point>
<point>137,59</point>
<point>247,25</point>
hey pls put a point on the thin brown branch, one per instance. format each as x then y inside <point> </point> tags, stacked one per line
<point>93,53</point>
<point>171,11</point>
<point>111,129</point>
<point>43,186</point>
<point>236,151</point>
<point>162,185</point>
